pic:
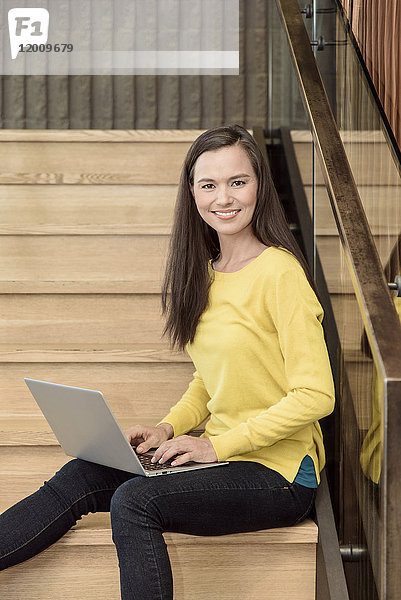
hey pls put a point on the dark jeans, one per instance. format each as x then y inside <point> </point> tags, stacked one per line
<point>242,496</point>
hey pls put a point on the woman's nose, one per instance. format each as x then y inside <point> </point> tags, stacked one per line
<point>223,196</point>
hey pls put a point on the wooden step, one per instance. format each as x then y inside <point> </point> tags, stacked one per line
<point>123,327</point>
<point>126,264</point>
<point>122,322</point>
<point>275,563</point>
<point>25,432</point>
<point>89,210</point>
<point>380,202</point>
<point>72,321</point>
<point>93,159</point>
<point>141,391</point>
<point>88,355</point>
<point>24,469</point>
<point>128,136</point>
<point>369,156</point>
<point>348,320</point>
<point>333,260</point>
<point>135,209</point>
<point>359,376</point>
<point>82,264</point>
<point>88,547</point>
<point>92,210</point>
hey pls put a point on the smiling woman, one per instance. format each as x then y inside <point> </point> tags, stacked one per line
<point>210,183</point>
<point>262,379</point>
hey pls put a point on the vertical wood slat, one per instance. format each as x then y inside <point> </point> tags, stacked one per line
<point>255,57</point>
<point>376,28</point>
<point>146,101</point>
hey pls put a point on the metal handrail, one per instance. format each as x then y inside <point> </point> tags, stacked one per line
<point>376,306</point>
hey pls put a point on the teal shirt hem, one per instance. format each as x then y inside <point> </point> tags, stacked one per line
<point>306,474</point>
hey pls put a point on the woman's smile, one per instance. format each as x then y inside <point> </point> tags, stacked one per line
<point>226,215</point>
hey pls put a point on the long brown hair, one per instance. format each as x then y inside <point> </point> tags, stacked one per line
<point>193,242</point>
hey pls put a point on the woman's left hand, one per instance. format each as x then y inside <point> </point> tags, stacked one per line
<point>188,448</point>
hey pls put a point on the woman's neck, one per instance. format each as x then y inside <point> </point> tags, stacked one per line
<point>236,257</point>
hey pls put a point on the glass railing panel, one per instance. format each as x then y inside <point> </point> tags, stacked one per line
<point>376,170</point>
<point>304,153</point>
<point>285,108</point>
<point>368,147</point>
<point>361,410</point>
<point>355,230</point>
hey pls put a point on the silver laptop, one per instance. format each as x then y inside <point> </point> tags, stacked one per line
<point>85,426</point>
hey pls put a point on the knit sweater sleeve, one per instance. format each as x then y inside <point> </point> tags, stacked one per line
<point>191,409</point>
<point>297,315</point>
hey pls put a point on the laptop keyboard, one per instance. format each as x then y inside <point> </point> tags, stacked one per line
<point>149,466</point>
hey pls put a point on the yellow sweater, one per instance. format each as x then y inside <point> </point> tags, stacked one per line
<point>262,368</point>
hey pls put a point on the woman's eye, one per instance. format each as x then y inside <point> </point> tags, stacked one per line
<point>236,183</point>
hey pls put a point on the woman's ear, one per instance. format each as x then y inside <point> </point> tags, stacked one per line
<point>191,187</point>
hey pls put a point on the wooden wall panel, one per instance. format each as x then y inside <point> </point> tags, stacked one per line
<point>147,101</point>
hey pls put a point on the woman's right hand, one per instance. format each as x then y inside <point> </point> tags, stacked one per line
<point>145,437</point>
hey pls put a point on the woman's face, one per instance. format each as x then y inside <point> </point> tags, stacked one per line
<point>225,189</point>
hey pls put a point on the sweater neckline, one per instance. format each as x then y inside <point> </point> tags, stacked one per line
<point>222,275</point>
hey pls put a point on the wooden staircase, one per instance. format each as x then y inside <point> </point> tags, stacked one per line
<point>84,224</point>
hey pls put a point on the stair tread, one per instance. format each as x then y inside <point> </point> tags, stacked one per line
<point>83,355</point>
<point>136,285</point>
<point>146,355</point>
<point>133,229</point>
<point>85,229</point>
<point>95,530</point>
<point>20,430</point>
<point>34,430</point>
<point>352,137</point>
<point>94,135</point>
<point>305,532</point>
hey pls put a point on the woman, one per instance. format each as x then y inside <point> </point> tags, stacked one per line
<point>238,296</point>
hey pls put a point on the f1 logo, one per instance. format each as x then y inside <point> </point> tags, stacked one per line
<point>27,25</point>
